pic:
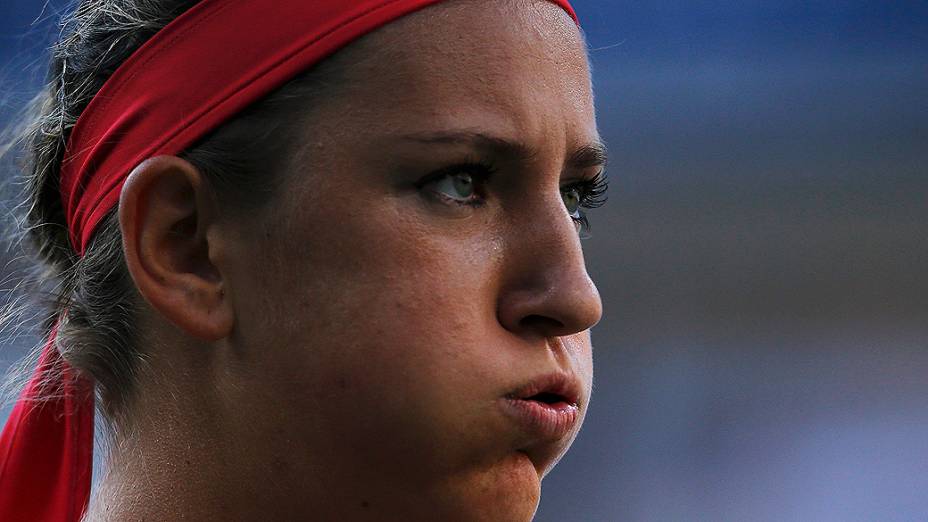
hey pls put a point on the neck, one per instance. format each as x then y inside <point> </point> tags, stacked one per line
<point>190,453</point>
<point>160,468</point>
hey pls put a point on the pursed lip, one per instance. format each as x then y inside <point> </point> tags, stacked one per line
<point>547,408</point>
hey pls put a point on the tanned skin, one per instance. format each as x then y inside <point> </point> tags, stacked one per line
<point>342,353</point>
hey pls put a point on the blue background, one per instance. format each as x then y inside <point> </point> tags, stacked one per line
<point>763,259</point>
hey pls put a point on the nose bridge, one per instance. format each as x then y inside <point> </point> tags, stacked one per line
<point>547,290</point>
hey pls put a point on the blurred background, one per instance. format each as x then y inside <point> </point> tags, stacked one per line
<point>763,259</point>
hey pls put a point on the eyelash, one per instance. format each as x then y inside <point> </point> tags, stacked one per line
<point>592,191</point>
<point>592,195</point>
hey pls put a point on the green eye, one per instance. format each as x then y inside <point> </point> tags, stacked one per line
<point>588,193</point>
<point>459,186</point>
<point>462,184</point>
<point>572,200</point>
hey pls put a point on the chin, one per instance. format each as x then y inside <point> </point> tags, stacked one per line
<point>508,492</point>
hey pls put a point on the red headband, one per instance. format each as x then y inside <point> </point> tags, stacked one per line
<point>196,73</point>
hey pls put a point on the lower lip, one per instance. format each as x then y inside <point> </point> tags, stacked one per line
<point>546,421</point>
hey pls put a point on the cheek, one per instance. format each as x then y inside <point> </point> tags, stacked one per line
<point>389,270</point>
<point>383,326</point>
<point>580,349</point>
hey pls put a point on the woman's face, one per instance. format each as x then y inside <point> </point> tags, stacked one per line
<point>420,269</point>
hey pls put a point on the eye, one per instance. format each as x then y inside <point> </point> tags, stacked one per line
<point>459,187</point>
<point>572,200</point>
<point>589,193</point>
<point>462,184</point>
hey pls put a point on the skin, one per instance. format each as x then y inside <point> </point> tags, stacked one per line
<point>342,354</point>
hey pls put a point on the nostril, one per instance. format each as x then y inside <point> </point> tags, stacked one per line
<point>541,323</point>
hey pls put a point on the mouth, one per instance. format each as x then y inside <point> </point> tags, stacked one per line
<point>554,400</point>
<point>547,408</point>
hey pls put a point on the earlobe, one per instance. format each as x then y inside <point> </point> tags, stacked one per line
<point>167,215</point>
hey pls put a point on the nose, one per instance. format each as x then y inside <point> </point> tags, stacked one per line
<point>546,289</point>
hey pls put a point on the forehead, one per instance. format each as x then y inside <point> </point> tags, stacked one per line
<point>517,67</point>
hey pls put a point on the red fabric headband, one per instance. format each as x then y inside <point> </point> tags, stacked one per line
<point>204,67</point>
<point>195,74</point>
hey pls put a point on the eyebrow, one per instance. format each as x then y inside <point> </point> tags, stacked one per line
<point>588,156</point>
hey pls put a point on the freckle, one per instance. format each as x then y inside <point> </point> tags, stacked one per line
<point>280,466</point>
<point>365,504</point>
<point>342,383</point>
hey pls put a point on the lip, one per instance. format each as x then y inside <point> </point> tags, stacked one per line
<point>547,407</point>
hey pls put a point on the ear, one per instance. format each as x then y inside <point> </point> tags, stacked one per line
<point>168,215</point>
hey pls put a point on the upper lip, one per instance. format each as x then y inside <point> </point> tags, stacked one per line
<point>552,387</point>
